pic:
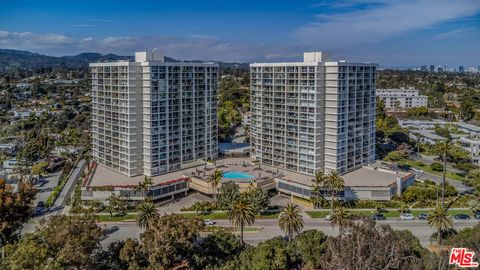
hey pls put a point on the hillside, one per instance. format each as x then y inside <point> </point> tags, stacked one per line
<point>11,59</point>
<point>27,60</point>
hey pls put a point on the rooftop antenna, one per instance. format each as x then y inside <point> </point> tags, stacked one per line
<point>153,52</point>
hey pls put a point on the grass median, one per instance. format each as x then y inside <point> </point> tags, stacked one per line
<point>388,214</point>
<point>224,215</point>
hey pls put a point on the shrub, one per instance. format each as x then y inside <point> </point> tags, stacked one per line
<point>435,166</point>
<point>420,163</point>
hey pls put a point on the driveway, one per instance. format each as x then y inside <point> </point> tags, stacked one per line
<point>182,202</point>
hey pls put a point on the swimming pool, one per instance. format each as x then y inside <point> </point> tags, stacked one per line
<point>237,175</point>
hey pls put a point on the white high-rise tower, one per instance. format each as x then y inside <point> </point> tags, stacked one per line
<point>152,116</point>
<point>313,115</point>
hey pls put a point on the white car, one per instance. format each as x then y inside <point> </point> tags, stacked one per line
<point>209,222</point>
<point>329,217</point>
<point>407,217</point>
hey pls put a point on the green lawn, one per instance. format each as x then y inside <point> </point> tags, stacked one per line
<point>232,229</point>
<point>106,218</point>
<point>224,215</point>
<point>389,214</point>
<point>426,168</point>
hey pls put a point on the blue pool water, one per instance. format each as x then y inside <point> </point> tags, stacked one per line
<point>237,175</point>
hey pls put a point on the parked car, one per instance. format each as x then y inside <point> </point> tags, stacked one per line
<point>461,216</point>
<point>406,216</point>
<point>210,222</point>
<point>41,204</point>
<point>422,216</point>
<point>477,215</point>
<point>378,216</point>
<point>329,217</point>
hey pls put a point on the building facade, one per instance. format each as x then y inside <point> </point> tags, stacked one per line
<point>151,116</point>
<point>402,98</point>
<point>313,115</point>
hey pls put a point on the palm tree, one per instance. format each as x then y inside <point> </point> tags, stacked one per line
<point>334,183</point>
<point>443,147</point>
<point>440,220</point>
<point>147,212</point>
<point>290,220</point>
<point>144,186</point>
<point>317,197</point>
<point>340,218</point>
<point>240,215</point>
<point>214,180</point>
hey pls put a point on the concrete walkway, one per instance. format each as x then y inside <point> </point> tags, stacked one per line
<point>70,185</point>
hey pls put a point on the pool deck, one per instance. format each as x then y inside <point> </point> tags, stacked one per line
<point>202,172</point>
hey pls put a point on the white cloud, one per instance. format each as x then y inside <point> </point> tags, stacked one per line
<point>25,40</point>
<point>382,21</point>
<point>189,47</point>
<point>99,20</point>
<point>4,34</point>
<point>453,33</point>
<point>84,25</point>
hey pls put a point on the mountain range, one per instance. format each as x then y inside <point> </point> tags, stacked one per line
<point>11,59</point>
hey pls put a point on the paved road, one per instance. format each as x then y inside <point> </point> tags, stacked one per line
<point>438,180</point>
<point>269,229</point>
<point>50,181</point>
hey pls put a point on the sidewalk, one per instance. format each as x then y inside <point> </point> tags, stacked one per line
<point>70,185</point>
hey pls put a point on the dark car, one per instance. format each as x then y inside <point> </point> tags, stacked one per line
<point>423,216</point>
<point>41,204</point>
<point>461,216</point>
<point>378,216</point>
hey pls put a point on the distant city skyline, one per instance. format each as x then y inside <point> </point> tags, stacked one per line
<point>404,33</point>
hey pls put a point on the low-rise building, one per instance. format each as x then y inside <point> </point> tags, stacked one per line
<point>102,182</point>
<point>466,136</point>
<point>402,98</point>
<point>372,182</point>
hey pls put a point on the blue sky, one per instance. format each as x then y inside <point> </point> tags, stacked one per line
<point>389,32</point>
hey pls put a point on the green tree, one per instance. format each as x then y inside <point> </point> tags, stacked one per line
<point>257,198</point>
<point>115,204</point>
<point>274,253</point>
<point>311,244</point>
<point>144,186</point>
<point>240,215</point>
<point>467,110</point>
<point>435,166</point>
<point>316,194</point>
<point>340,218</point>
<point>380,108</point>
<point>290,220</point>
<point>15,210</point>
<point>61,242</point>
<point>443,147</point>
<point>228,195</point>
<point>468,238</point>
<point>147,213</point>
<point>168,242</point>
<point>440,221</point>
<point>333,183</point>
<point>365,245</point>
<point>215,178</point>
<point>216,249</point>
